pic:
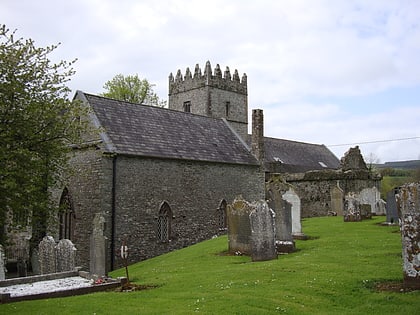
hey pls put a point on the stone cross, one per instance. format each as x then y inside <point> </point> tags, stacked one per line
<point>263,229</point>
<point>409,206</point>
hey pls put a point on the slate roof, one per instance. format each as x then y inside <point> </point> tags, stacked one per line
<point>293,156</point>
<point>150,131</point>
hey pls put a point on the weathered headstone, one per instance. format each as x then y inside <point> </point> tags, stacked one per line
<point>370,196</point>
<point>263,231</point>
<point>283,211</point>
<point>409,206</point>
<point>35,262</point>
<point>239,228</point>
<point>337,197</point>
<point>2,263</point>
<point>391,206</point>
<point>47,255</point>
<point>380,207</point>
<point>352,211</point>
<point>292,197</point>
<point>22,267</point>
<point>66,256</point>
<point>366,211</point>
<point>98,243</point>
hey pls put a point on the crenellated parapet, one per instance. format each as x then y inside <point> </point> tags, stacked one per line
<point>216,79</point>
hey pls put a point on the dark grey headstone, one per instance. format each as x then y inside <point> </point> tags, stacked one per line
<point>239,229</point>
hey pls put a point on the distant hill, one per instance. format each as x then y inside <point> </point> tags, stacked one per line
<point>405,165</point>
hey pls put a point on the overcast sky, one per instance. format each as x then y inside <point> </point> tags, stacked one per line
<point>327,72</point>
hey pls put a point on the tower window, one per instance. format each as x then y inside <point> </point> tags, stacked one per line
<point>187,107</point>
<point>227,108</point>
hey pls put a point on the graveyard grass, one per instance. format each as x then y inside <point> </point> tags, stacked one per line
<point>336,271</point>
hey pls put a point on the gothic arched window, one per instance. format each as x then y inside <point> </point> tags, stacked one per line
<point>164,222</point>
<point>66,216</point>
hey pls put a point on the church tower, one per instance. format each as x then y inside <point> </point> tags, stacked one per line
<point>211,94</point>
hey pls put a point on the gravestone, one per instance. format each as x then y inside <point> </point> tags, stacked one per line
<point>370,196</point>
<point>263,232</point>
<point>352,211</point>
<point>98,243</point>
<point>391,206</point>
<point>337,197</point>
<point>366,211</point>
<point>239,228</point>
<point>409,206</point>
<point>380,207</point>
<point>292,197</point>
<point>35,262</point>
<point>2,264</point>
<point>22,267</point>
<point>47,255</point>
<point>66,256</point>
<point>283,211</point>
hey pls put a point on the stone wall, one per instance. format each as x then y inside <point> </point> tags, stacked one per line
<point>90,186</point>
<point>193,190</point>
<point>316,188</point>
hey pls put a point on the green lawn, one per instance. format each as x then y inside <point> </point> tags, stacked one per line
<point>335,272</point>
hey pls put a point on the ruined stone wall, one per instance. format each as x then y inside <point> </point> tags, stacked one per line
<point>193,190</point>
<point>315,188</point>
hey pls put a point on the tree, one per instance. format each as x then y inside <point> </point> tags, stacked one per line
<point>37,124</point>
<point>132,89</point>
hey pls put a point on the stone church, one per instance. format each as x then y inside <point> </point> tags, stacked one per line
<point>160,179</point>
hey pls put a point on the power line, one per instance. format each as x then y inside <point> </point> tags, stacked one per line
<point>376,141</point>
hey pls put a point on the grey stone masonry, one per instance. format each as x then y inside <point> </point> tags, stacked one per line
<point>211,94</point>
<point>409,206</point>
<point>263,231</point>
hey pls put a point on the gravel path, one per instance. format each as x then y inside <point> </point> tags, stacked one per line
<point>46,286</point>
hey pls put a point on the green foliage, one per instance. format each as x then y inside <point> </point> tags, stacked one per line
<point>335,272</point>
<point>132,89</point>
<point>37,124</point>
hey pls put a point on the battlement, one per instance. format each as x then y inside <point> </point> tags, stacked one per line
<point>226,82</point>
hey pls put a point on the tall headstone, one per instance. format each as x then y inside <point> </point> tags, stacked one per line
<point>292,197</point>
<point>47,255</point>
<point>352,210</point>
<point>98,243</point>
<point>409,206</point>
<point>66,256</point>
<point>337,198</point>
<point>239,228</point>
<point>263,231</point>
<point>2,264</point>
<point>283,211</point>
<point>391,206</point>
